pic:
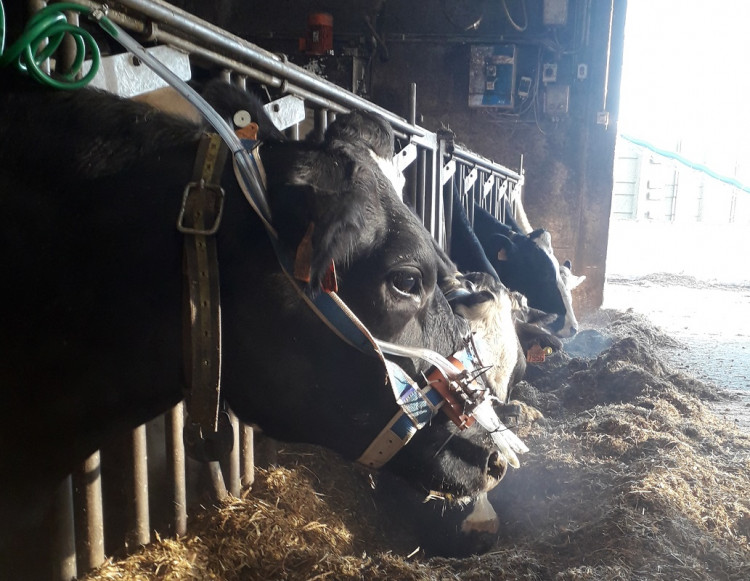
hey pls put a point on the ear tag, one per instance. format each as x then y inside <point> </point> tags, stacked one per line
<point>249,131</point>
<point>303,258</point>
<point>329,280</point>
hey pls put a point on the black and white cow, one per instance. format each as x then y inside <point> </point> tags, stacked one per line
<point>90,341</point>
<point>523,263</point>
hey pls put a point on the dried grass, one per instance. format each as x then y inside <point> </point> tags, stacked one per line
<point>630,476</point>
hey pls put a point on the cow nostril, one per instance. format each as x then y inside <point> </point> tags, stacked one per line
<point>573,331</point>
<point>497,466</point>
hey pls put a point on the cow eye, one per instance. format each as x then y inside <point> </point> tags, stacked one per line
<point>407,282</point>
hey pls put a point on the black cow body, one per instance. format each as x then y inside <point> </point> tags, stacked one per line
<point>90,341</point>
<point>523,263</point>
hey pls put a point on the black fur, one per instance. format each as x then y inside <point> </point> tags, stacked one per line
<point>90,343</point>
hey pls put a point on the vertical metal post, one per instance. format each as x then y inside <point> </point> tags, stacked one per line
<point>34,7</point>
<point>293,132</point>
<point>321,123</point>
<point>174,422</point>
<point>65,535</point>
<point>141,526</point>
<point>239,81</point>
<point>90,529</point>
<point>435,197</point>
<point>217,479</point>
<point>67,51</point>
<point>248,455</point>
<point>411,172</point>
<point>421,185</point>
<point>234,458</point>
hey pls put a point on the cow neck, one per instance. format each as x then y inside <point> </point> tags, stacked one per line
<point>198,220</point>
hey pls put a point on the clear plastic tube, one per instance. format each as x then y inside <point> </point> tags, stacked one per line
<point>420,353</point>
<point>241,156</point>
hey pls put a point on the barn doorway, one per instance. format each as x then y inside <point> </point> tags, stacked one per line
<point>681,199</point>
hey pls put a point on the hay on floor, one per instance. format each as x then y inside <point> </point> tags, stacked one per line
<point>629,476</point>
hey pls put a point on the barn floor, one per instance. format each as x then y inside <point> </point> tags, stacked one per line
<point>710,320</point>
<point>631,474</point>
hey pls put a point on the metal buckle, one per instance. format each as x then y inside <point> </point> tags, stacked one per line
<point>194,188</point>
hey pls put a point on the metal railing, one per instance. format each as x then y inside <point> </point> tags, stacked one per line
<point>432,164</point>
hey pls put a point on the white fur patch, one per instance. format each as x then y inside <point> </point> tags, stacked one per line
<point>545,243</point>
<point>391,172</point>
<point>493,321</point>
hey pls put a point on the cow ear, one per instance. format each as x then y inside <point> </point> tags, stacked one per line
<point>319,203</point>
<point>543,239</point>
<point>501,247</point>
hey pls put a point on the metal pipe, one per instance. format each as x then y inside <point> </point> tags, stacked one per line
<point>174,421</point>
<point>412,170</point>
<point>157,34</point>
<point>234,458</point>
<point>239,48</point>
<point>320,123</point>
<point>421,183</point>
<point>251,73</point>
<point>141,533</point>
<point>65,535</point>
<point>217,479</point>
<point>67,50</point>
<point>293,132</point>
<point>472,158</point>
<point>248,455</point>
<point>90,529</point>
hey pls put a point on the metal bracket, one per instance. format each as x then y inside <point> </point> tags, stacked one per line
<point>405,157</point>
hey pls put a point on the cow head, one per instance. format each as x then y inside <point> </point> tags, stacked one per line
<point>489,310</point>
<point>332,203</point>
<point>528,265</point>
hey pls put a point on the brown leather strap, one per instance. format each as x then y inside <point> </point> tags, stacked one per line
<point>199,219</point>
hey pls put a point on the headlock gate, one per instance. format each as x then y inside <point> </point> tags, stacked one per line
<point>434,166</point>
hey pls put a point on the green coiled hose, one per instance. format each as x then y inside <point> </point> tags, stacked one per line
<point>50,25</point>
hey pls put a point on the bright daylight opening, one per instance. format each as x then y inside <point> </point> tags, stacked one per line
<point>681,201</point>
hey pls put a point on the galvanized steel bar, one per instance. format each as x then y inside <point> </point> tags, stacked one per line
<point>217,479</point>
<point>320,123</point>
<point>421,184</point>
<point>141,533</point>
<point>244,51</point>
<point>174,421</point>
<point>248,455</point>
<point>293,132</point>
<point>65,535</point>
<point>234,458</point>
<point>473,159</point>
<point>90,529</point>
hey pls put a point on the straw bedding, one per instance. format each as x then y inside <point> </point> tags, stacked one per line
<point>630,476</point>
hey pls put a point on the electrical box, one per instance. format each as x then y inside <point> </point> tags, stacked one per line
<point>555,12</point>
<point>492,76</point>
<point>556,100</point>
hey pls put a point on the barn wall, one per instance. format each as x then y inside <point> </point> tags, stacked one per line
<point>568,157</point>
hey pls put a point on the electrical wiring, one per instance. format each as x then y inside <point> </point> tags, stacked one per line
<point>517,27</point>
